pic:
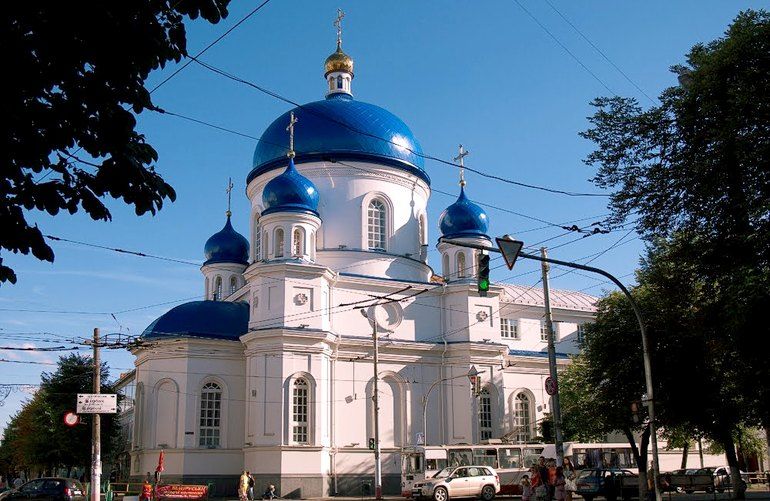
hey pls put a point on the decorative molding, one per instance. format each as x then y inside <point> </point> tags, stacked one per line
<point>482,316</point>
<point>300,298</point>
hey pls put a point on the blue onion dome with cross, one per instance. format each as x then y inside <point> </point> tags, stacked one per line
<point>227,245</point>
<point>463,219</point>
<point>340,128</point>
<point>290,191</point>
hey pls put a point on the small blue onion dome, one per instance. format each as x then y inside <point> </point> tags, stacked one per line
<point>227,246</point>
<point>207,319</point>
<point>290,192</point>
<point>340,128</point>
<point>463,219</point>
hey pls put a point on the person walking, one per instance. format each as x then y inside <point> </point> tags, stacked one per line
<point>250,493</point>
<point>569,478</point>
<point>146,494</point>
<point>270,492</point>
<point>243,486</point>
<point>551,466</point>
<point>526,488</point>
<point>559,484</point>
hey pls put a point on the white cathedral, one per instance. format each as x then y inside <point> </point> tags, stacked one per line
<point>272,371</point>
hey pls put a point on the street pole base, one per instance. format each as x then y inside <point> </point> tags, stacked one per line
<point>378,492</point>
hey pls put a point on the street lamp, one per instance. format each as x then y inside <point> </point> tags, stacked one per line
<point>510,248</point>
<point>472,374</point>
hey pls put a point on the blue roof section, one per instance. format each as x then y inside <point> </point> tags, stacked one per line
<point>463,219</point>
<point>537,354</point>
<point>226,246</point>
<point>203,319</point>
<point>290,192</point>
<point>340,128</point>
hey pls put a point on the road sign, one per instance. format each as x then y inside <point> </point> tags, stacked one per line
<point>420,438</point>
<point>550,385</point>
<point>97,403</point>
<point>71,419</point>
<point>509,248</point>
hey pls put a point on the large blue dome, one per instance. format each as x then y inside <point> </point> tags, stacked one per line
<point>290,192</point>
<point>340,128</point>
<point>208,319</point>
<point>463,219</point>
<point>227,246</point>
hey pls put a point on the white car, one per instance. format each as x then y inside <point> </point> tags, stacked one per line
<point>459,482</point>
<point>723,481</point>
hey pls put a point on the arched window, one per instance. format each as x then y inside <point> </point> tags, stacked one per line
<point>522,419</point>
<point>211,414</point>
<point>339,81</point>
<point>218,289</point>
<point>264,246</point>
<point>485,414</point>
<point>257,242</point>
<point>445,266</point>
<point>233,284</point>
<point>377,218</point>
<point>298,242</point>
<point>461,272</point>
<point>299,411</point>
<point>279,243</point>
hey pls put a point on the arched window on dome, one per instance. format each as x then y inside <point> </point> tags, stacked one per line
<point>278,245</point>
<point>210,416</point>
<point>218,289</point>
<point>265,246</point>
<point>339,81</point>
<point>298,242</point>
<point>257,240</point>
<point>461,272</point>
<point>233,284</point>
<point>445,266</point>
<point>377,225</point>
<point>422,232</point>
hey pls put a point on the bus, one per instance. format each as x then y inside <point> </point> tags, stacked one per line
<point>596,455</point>
<point>510,461</point>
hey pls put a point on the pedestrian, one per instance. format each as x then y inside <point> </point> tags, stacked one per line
<point>18,483</point>
<point>569,478</point>
<point>559,485</point>
<point>251,486</point>
<point>651,483</point>
<point>539,489</point>
<point>146,494</point>
<point>526,488</point>
<point>243,486</point>
<point>551,464</point>
<point>270,492</point>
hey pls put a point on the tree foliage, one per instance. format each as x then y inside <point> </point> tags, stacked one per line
<point>695,172</point>
<point>78,81</point>
<point>37,440</point>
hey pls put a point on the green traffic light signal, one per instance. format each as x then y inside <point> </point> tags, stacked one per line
<point>483,280</point>
<point>371,444</point>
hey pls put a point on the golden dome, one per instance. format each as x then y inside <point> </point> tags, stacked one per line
<point>338,61</point>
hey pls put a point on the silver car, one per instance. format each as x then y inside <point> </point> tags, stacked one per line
<point>460,482</point>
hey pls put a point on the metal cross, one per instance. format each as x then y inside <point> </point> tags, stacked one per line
<point>229,190</point>
<point>460,157</point>
<point>290,128</point>
<point>338,25</point>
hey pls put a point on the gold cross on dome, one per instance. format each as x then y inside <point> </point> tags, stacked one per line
<point>293,120</point>
<point>460,157</point>
<point>338,25</point>
<point>229,191</point>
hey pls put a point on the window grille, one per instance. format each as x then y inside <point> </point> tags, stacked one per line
<point>299,402</point>
<point>485,414</point>
<point>521,418</point>
<point>377,225</point>
<point>211,415</point>
<point>509,328</point>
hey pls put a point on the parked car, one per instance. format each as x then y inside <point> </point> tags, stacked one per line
<point>459,482</point>
<point>722,479</point>
<point>690,480</point>
<point>610,483</point>
<point>47,489</point>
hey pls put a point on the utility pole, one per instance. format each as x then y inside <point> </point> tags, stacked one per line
<point>555,404</point>
<point>376,401</point>
<point>96,428</point>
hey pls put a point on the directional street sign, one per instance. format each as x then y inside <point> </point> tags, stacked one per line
<point>509,248</point>
<point>97,403</point>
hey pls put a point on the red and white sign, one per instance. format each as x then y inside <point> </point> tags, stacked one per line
<point>550,385</point>
<point>71,419</point>
<point>178,491</point>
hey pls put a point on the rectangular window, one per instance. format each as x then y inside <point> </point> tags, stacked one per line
<point>509,328</point>
<point>580,333</point>
<point>510,457</point>
<point>485,457</point>
<point>543,331</point>
<point>300,412</point>
<point>211,408</point>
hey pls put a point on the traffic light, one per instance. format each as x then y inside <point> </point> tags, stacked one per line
<point>483,281</point>
<point>371,444</point>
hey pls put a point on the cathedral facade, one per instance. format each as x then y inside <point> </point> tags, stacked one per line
<point>272,371</point>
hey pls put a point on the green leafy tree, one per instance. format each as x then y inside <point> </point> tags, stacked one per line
<point>78,81</point>
<point>693,171</point>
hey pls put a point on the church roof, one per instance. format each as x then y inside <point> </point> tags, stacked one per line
<point>340,128</point>
<point>203,319</point>
<point>564,299</point>
<point>463,219</point>
<point>290,192</point>
<point>226,246</point>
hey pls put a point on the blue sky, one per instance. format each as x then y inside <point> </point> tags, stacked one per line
<point>484,74</point>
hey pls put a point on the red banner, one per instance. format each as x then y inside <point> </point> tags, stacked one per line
<point>176,491</point>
